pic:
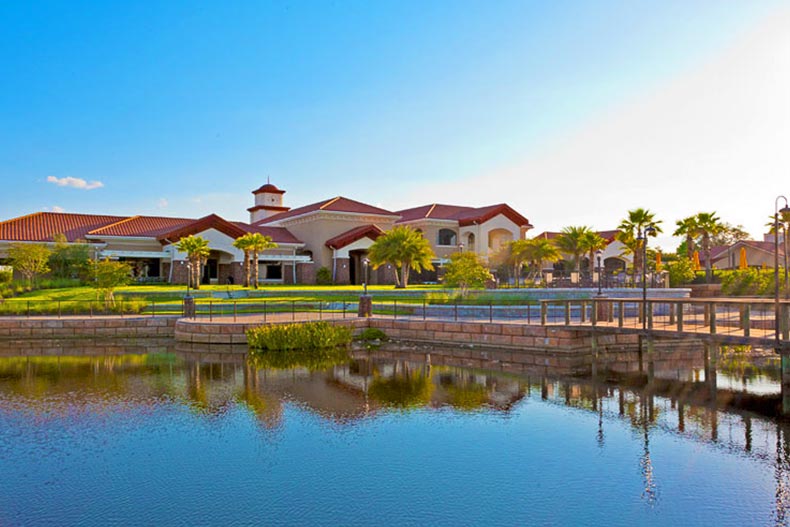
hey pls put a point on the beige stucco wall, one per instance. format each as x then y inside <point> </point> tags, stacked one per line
<point>315,230</point>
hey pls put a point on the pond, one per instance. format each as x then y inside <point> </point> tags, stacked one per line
<point>384,438</point>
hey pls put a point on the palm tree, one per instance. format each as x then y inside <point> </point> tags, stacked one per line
<point>541,250</point>
<point>639,221</point>
<point>593,242</point>
<point>708,226</point>
<point>518,255</point>
<point>404,248</point>
<point>244,243</point>
<point>571,242</point>
<point>688,227</point>
<point>197,250</point>
<point>258,244</point>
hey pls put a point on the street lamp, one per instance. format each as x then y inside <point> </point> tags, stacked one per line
<point>461,247</point>
<point>598,255</point>
<point>777,310</point>
<point>365,267</point>
<point>649,231</point>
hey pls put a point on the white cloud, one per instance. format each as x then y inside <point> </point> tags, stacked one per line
<point>75,182</point>
<point>54,208</point>
<point>162,203</point>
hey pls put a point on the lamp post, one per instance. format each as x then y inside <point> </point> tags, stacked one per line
<point>777,309</point>
<point>598,255</point>
<point>365,274</point>
<point>461,247</point>
<point>649,231</point>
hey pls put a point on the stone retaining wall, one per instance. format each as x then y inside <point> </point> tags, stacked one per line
<point>199,332</point>
<point>17,329</point>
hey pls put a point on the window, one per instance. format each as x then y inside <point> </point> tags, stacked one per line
<point>274,271</point>
<point>447,237</point>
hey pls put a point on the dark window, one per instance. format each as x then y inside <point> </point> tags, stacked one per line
<point>447,237</point>
<point>274,271</point>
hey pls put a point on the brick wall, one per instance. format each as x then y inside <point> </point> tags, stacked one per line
<point>80,328</point>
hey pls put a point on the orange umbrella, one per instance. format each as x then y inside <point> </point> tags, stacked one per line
<point>658,261</point>
<point>743,264</point>
<point>695,261</point>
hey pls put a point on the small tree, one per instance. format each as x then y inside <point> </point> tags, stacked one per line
<point>197,251</point>
<point>258,244</point>
<point>405,249</point>
<point>466,271</point>
<point>30,259</point>
<point>69,260</point>
<point>244,243</point>
<point>108,276</point>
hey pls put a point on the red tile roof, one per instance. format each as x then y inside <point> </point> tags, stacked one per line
<point>268,187</point>
<point>463,215</point>
<point>43,226</point>
<point>212,221</point>
<point>349,237</point>
<point>277,234</point>
<point>141,226</point>
<point>337,204</point>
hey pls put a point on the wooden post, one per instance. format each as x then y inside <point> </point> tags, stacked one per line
<point>706,315</point>
<point>680,316</point>
<point>649,307</point>
<point>746,323</point>
<point>712,318</point>
<point>671,313</point>
<point>784,326</point>
<point>567,312</point>
<point>594,313</point>
<point>544,312</point>
<point>620,313</point>
<point>583,311</point>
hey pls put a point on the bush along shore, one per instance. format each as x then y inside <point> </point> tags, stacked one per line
<point>303,336</point>
<point>312,345</point>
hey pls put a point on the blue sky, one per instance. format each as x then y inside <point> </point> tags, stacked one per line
<point>182,108</point>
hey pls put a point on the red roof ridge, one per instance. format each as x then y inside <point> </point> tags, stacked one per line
<point>430,210</point>
<point>120,222</point>
<point>26,216</point>
<point>328,203</point>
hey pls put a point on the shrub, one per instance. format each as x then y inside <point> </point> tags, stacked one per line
<point>303,336</point>
<point>747,282</point>
<point>369,334</point>
<point>6,275</point>
<point>681,272</point>
<point>323,276</point>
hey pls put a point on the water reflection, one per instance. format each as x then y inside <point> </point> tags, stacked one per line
<point>687,401</point>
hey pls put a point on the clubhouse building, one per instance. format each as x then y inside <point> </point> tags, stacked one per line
<point>335,233</point>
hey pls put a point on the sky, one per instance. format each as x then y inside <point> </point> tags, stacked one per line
<point>572,112</point>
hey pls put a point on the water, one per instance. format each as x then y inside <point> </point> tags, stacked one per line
<point>387,439</point>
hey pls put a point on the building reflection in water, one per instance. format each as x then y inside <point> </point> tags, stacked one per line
<point>741,398</point>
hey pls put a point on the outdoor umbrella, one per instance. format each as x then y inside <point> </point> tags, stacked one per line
<point>743,264</point>
<point>695,261</point>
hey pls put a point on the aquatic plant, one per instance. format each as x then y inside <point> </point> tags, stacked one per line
<point>302,336</point>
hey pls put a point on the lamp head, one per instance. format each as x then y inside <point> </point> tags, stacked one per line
<point>650,231</point>
<point>598,254</point>
<point>784,211</point>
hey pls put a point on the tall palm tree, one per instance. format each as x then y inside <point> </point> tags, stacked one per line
<point>405,249</point>
<point>593,242</point>
<point>258,244</point>
<point>197,250</point>
<point>688,227</point>
<point>571,242</point>
<point>244,243</point>
<point>708,226</point>
<point>638,221</point>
